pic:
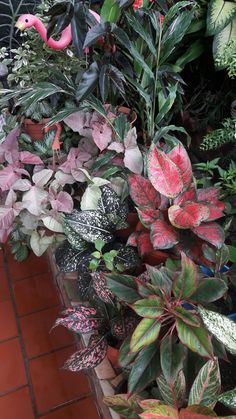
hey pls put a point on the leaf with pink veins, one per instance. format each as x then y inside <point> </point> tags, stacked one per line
<point>102,135</point>
<point>133,159</point>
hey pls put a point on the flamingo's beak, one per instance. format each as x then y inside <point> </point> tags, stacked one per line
<point>20,26</point>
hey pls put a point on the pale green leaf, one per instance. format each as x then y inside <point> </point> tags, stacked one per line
<point>219,14</point>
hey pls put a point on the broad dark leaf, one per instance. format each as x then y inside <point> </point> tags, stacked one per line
<point>123,326</point>
<point>125,356</point>
<point>172,354</point>
<point>90,357</point>
<point>110,77</point>
<point>123,286</point>
<point>145,369</point>
<point>88,82</point>
<point>111,205</point>
<point>67,258</point>
<point>209,290</point>
<point>128,258</point>
<point>79,28</point>
<point>96,32</point>
<point>91,225</point>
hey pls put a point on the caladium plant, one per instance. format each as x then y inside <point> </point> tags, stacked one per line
<point>167,301</point>
<point>173,213</point>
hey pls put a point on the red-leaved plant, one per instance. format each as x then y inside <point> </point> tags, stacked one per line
<point>173,212</point>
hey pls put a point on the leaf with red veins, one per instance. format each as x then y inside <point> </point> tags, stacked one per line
<point>142,192</point>
<point>148,216</point>
<point>208,194</point>
<point>189,195</point>
<point>190,215</point>
<point>211,232</point>
<point>215,212</point>
<point>163,236</point>
<point>144,243</point>
<point>180,157</point>
<point>163,173</point>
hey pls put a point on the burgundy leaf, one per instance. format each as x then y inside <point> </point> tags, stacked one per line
<point>188,216</point>
<point>163,235</point>
<point>142,192</point>
<point>211,232</point>
<point>180,157</point>
<point>89,357</point>
<point>101,288</point>
<point>163,173</point>
<point>189,195</point>
<point>148,216</point>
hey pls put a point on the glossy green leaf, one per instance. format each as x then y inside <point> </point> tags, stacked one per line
<point>206,386</point>
<point>219,14</point>
<point>195,338</point>
<point>221,327</point>
<point>209,289</point>
<point>172,357</point>
<point>123,286</point>
<point>173,394</point>
<point>145,333</point>
<point>125,356</point>
<point>110,11</point>
<point>186,315</point>
<point>228,398</point>
<point>168,103</point>
<point>139,58</point>
<point>232,253</point>
<point>186,282</point>
<point>151,307</point>
<point>110,77</point>
<point>145,369</point>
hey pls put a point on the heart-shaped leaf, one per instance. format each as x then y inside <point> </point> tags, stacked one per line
<point>189,216</point>
<point>163,236</point>
<point>195,338</point>
<point>206,386</point>
<point>164,175</point>
<point>186,282</point>
<point>145,333</point>
<point>143,193</point>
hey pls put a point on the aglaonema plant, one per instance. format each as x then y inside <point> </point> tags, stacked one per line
<point>167,302</point>
<point>174,214</point>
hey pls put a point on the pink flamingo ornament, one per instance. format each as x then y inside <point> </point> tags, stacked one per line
<point>29,21</point>
<point>56,145</point>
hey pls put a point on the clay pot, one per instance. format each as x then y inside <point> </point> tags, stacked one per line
<point>113,356</point>
<point>132,116</point>
<point>35,129</point>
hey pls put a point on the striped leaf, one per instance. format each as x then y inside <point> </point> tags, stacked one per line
<point>145,333</point>
<point>195,338</point>
<point>173,394</point>
<point>206,386</point>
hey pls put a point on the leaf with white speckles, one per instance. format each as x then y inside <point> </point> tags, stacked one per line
<point>221,327</point>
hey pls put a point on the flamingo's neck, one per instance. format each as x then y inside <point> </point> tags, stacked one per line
<point>63,42</point>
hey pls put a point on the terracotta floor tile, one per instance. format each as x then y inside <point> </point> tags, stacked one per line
<point>83,409</point>
<point>35,293</point>
<point>12,367</point>
<point>4,290</point>
<point>16,405</point>
<point>36,332</point>
<point>8,328</point>
<point>54,386</point>
<point>33,265</point>
<point>1,257</point>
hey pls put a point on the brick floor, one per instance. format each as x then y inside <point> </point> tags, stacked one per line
<point>32,383</point>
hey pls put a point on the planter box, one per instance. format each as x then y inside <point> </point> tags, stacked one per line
<point>103,378</point>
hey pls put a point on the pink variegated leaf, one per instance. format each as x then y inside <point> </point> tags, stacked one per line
<point>123,327</point>
<point>63,202</point>
<point>80,122</point>
<point>87,145</point>
<point>133,159</point>
<point>82,320</point>
<point>42,177</point>
<point>35,200</point>
<point>9,147</point>
<point>133,239</point>
<point>142,192</point>
<point>90,357</point>
<point>215,212</point>
<point>208,194</point>
<point>144,243</point>
<point>78,175</point>
<point>188,216</point>
<point>21,185</point>
<point>102,135</point>
<point>211,232</point>
<point>7,216</point>
<point>180,157</point>
<point>163,173</point>
<point>189,195</point>
<point>8,177</point>
<point>100,286</point>
<point>64,178</point>
<point>29,158</point>
<point>163,236</point>
<point>148,216</point>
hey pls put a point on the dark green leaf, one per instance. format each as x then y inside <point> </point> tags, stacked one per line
<point>172,357</point>
<point>209,290</point>
<point>151,307</point>
<point>79,28</point>
<point>123,286</point>
<point>186,282</point>
<point>145,369</point>
<point>91,225</point>
<point>88,82</point>
<point>142,32</point>
<point>125,356</point>
<point>186,315</point>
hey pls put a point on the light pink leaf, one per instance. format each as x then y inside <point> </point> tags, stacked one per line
<point>80,122</point>
<point>133,159</point>
<point>10,199</point>
<point>180,157</point>
<point>8,176</point>
<point>64,178</point>
<point>102,135</point>
<point>41,178</point>
<point>7,216</point>
<point>63,203</point>
<point>118,147</point>
<point>29,158</point>
<point>78,175</point>
<point>34,200</point>
<point>164,175</point>
<point>87,145</point>
<point>9,147</point>
<point>22,185</point>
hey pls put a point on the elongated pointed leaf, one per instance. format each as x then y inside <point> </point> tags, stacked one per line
<point>88,82</point>
<point>150,308</point>
<point>79,28</point>
<point>163,236</point>
<point>143,193</point>
<point>186,316</point>
<point>190,215</point>
<point>221,327</point>
<point>89,357</point>
<point>164,174</point>
<point>211,232</point>
<point>145,369</point>
<point>145,333</point>
<point>110,11</point>
<point>219,14</point>
<point>125,356</point>
<point>123,286</point>
<point>173,393</point>
<point>195,338</point>
<point>186,282</point>
<point>228,398</point>
<point>161,279</point>
<point>172,357</point>
<point>209,290</point>
<point>180,157</point>
<point>142,32</point>
<point>206,386</point>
